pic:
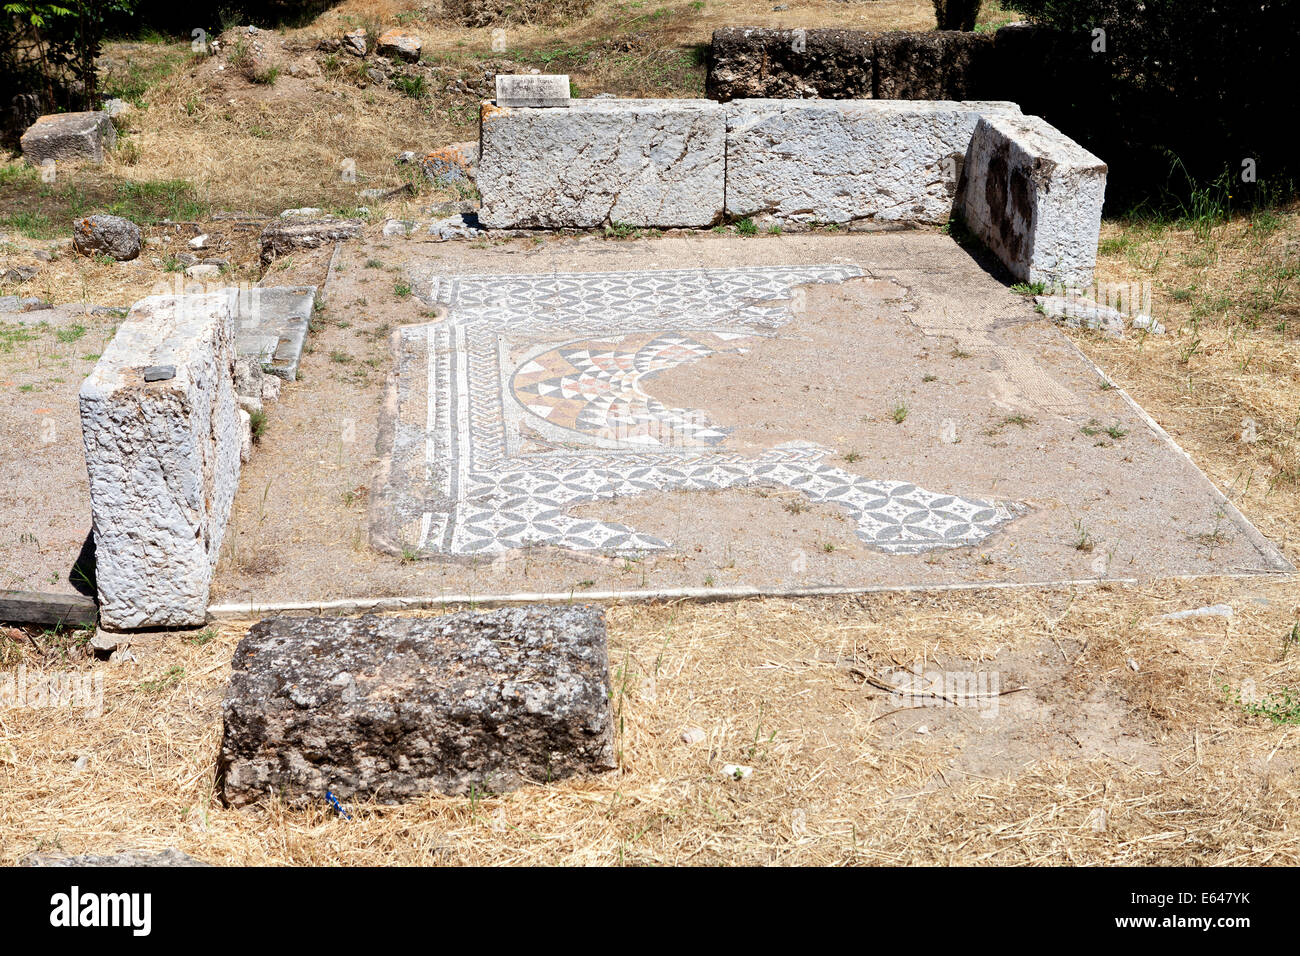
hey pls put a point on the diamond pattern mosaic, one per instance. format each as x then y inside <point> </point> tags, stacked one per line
<point>532,397</point>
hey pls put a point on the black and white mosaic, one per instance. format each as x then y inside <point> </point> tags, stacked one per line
<point>529,400</point>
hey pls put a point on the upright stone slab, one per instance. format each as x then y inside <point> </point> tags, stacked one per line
<point>654,163</point>
<point>67,136</point>
<point>161,432</point>
<point>392,708</point>
<point>539,90</point>
<point>1034,197</point>
<point>846,160</point>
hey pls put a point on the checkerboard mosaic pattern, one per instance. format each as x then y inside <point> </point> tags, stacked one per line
<point>532,398</point>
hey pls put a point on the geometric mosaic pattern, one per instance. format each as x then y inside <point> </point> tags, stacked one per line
<point>595,387</point>
<point>533,401</point>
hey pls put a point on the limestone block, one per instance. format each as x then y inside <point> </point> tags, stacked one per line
<point>1034,197</point>
<point>846,160</point>
<point>933,65</point>
<point>633,162</point>
<point>392,708</point>
<point>67,136</point>
<point>162,435</point>
<point>271,323</point>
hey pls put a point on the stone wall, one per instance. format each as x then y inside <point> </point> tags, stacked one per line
<point>162,437</point>
<point>839,161</point>
<point>750,62</point>
<point>603,161</point>
<point>753,63</point>
<point>691,163</point>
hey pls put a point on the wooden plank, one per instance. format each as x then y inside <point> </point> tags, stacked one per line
<point>36,607</point>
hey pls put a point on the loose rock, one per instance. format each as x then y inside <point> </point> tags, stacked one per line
<point>399,45</point>
<point>110,236</point>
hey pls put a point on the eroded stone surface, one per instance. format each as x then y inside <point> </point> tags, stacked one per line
<point>759,62</point>
<point>393,708</point>
<point>163,458</point>
<point>1034,197</point>
<point>839,161</point>
<point>633,162</point>
<point>285,235</point>
<point>935,65</point>
<point>68,136</point>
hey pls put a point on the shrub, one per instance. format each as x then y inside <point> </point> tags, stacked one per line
<point>1202,79</point>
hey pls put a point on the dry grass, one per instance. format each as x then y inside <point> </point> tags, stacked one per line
<point>1230,299</point>
<point>777,686</point>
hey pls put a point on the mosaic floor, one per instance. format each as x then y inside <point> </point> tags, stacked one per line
<point>536,395</point>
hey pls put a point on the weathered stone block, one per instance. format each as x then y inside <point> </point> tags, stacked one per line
<point>846,160</point>
<point>67,136</point>
<point>393,708</point>
<point>451,164</point>
<point>937,65</point>
<point>399,46</point>
<point>752,62</point>
<point>110,236</point>
<point>540,90</point>
<point>290,233</point>
<point>633,162</point>
<point>1034,197</point>
<point>163,458</point>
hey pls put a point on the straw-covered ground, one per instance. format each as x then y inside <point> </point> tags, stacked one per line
<point>1111,736</point>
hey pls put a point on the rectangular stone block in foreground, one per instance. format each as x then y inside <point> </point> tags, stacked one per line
<point>392,708</point>
<point>653,163</point>
<point>68,136</point>
<point>162,433</point>
<point>1034,197</point>
<point>842,161</point>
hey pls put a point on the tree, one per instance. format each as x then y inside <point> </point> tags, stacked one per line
<point>956,14</point>
<point>65,38</point>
